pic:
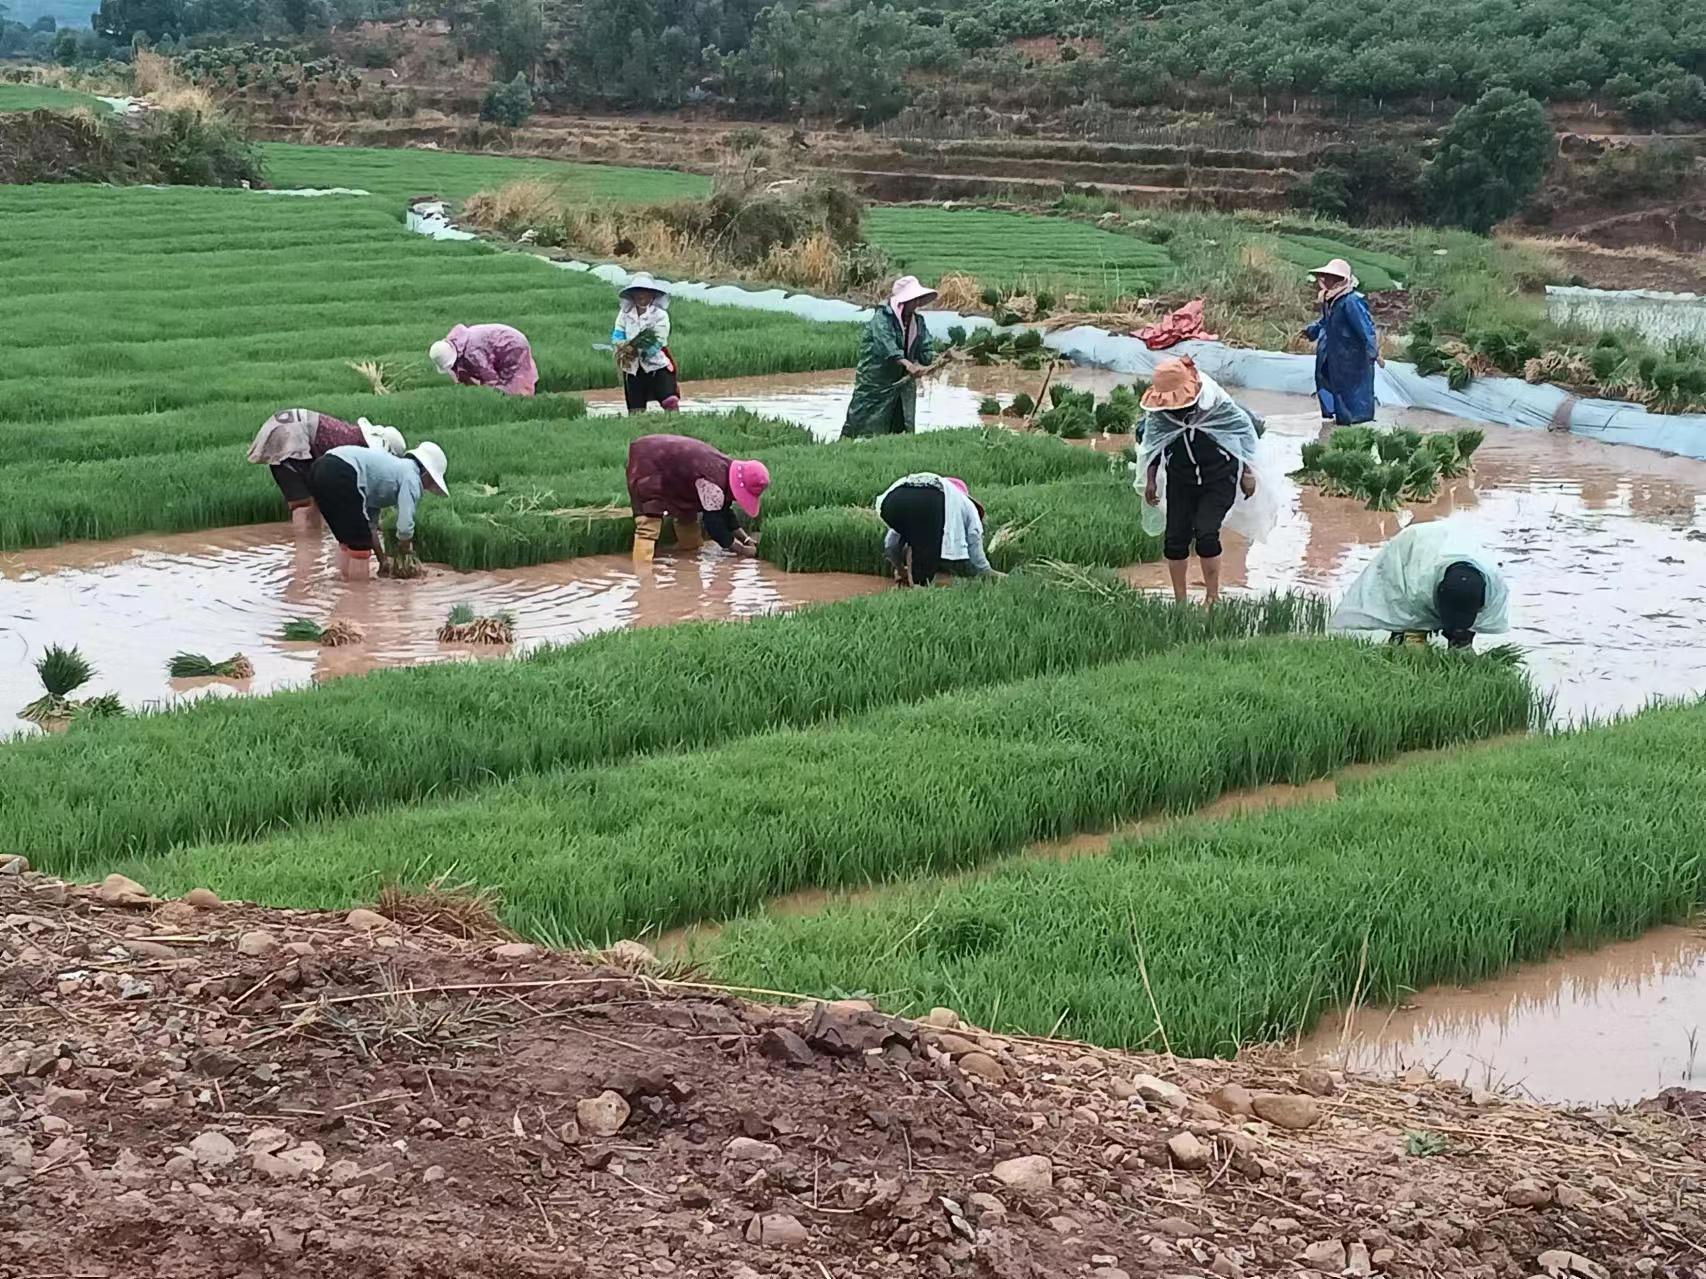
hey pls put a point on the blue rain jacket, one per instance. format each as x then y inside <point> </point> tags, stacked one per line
<point>1345,352</point>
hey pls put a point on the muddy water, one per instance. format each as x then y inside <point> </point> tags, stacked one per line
<point>1612,1025</point>
<point>131,605</point>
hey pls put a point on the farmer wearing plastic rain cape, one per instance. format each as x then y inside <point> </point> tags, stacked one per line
<point>292,440</point>
<point>1196,469</point>
<point>934,524</point>
<point>1431,577</point>
<point>893,355</point>
<point>493,355</point>
<point>641,338</point>
<point>1346,348</point>
<point>685,482</point>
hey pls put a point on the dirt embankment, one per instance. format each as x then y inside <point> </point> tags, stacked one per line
<point>206,1089</point>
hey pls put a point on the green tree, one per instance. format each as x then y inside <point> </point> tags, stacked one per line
<point>1491,158</point>
<point>513,32</point>
<point>510,103</point>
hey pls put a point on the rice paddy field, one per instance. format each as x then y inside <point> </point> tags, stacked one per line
<point>907,751</point>
<point>45,97</point>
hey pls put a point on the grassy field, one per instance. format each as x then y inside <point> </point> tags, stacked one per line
<point>1444,871</point>
<point>396,176</point>
<point>43,97</point>
<point>86,798</point>
<point>594,855</point>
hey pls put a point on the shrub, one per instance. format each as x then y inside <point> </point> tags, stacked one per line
<point>508,103</point>
<point>1491,159</point>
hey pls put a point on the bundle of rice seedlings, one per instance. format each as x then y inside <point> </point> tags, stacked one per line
<point>62,671</point>
<point>1468,440</point>
<point>399,565</point>
<point>462,626</point>
<point>302,630</point>
<point>1352,439</point>
<point>377,374</point>
<point>989,406</point>
<point>334,634</point>
<point>1310,472</point>
<point>196,666</point>
<point>1421,477</point>
<point>1383,485</point>
<point>106,706</point>
<point>1397,444</point>
<point>1029,340</point>
<point>1022,406</point>
<point>1345,471</point>
<point>1444,450</point>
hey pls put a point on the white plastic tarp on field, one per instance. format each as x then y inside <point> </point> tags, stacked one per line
<point>1502,401</point>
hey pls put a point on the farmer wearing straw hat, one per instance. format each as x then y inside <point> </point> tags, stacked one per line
<point>1432,577</point>
<point>692,486</point>
<point>353,486</point>
<point>1346,349</point>
<point>493,355</point>
<point>291,440</point>
<point>1198,447</point>
<point>894,354</point>
<point>641,338</point>
<point>934,523</point>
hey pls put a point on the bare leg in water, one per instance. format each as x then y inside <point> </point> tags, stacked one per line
<point>1210,579</point>
<point>1176,569</point>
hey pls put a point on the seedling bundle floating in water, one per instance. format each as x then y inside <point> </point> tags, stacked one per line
<point>334,634</point>
<point>463,627</point>
<point>1387,468</point>
<point>62,672</point>
<point>197,666</point>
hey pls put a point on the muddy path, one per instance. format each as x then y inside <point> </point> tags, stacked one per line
<point>130,605</point>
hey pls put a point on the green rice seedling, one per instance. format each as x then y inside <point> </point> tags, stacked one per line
<point>1022,406</point>
<point>991,296</point>
<point>62,671</point>
<point>1384,484</point>
<point>1031,340</point>
<point>302,630</point>
<point>1030,363</point>
<point>576,853</point>
<point>197,666</point>
<point>106,706</point>
<point>1444,450</point>
<point>1468,440</point>
<point>1352,439</point>
<point>598,701</point>
<point>957,335</point>
<point>1397,444</point>
<point>1421,477</point>
<point>1459,374</point>
<point>1424,1145</point>
<point>1346,471</point>
<point>989,406</point>
<point>1312,454</point>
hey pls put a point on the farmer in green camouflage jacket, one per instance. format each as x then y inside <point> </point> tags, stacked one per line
<point>893,356</point>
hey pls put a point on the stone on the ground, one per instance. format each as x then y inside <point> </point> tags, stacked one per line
<point>1231,1099</point>
<point>1317,1082</point>
<point>1561,1261</point>
<point>984,1067</point>
<point>1187,1151</point>
<point>1122,1089</point>
<point>1227,1268</point>
<point>603,1115</point>
<point>1359,1262</point>
<point>783,1045</point>
<point>212,1150</point>
<point>365,921</point>
<point>1326,1254</point>
<point>1286,1110</point>
<point>13,863</point>
<point>516,951</point>
<point>1159,1092</point>
<point>1177,1227</point>
<point>256,942</point>
<point>130,987</point>
<point>434,1174</point>
<point>631,954</point>
<point>1569,1196</point>
<point>145,949</point>
<point>1109,1272</point>
<point>1027,1172</point>
<point>118,890</point>
<point>776,1230</point>
<point>746,1150</point>
<point>203,899</point>
<point>943,1019</point>
<point>987,1207</point>
<point>956,1045</point>
<point>1528,1193</point>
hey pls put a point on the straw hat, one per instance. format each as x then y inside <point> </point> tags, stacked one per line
<point>443,355</point>
<point>1176,385</point>
<point>747,481</point>
<point>908,289</point>
<point>643,280</point>
<point>1339,269</point>
<point>431,459</point>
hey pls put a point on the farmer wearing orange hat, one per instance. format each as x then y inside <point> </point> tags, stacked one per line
<point>1198,447</point>
<point>934,523</point>
<point>893,355</point>
<point>694,487</point>
<point>1346,348</point>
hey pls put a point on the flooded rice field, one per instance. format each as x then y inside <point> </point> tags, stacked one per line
<point>131,605</point>
<point>1613,1025</point>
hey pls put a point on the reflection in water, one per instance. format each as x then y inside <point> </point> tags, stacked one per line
<point>1612,1025</point>
<point>131,605</point>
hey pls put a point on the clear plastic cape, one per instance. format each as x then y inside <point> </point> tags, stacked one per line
<point>1229,426</point>
<point>1396,591</point>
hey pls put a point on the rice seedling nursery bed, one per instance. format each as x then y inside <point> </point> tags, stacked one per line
<point>598,854</point>
<point>81,801</point>
<point>1442,871</point>
<point>44,97</point>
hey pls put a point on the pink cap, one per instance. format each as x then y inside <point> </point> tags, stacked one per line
<point>747,481</point>
<point>958,483</point>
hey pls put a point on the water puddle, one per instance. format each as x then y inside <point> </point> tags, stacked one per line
<point>1613,1025</point>
<point>130,605</point>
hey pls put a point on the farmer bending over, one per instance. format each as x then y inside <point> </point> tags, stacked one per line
<point>692,485</point>
<point>934,523</point>
<point>641,338</point>
<point>353,486</point>
<point>293,439</point>
<point>493,355</point>
<point>1432,577</point>
<point>894,353</point>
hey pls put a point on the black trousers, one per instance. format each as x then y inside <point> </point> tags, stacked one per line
<point>642,388</point>
<point>919,515</point>
<point>292,480</point>
<point>1195,512</point>
<point>332,483</point>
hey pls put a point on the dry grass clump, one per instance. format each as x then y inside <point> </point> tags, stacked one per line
<point>165,88</point>
<point>376,373</point>
<point>956,291</point>
<point>464,910</point>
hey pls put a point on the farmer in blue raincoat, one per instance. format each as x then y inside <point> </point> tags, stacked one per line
<point>894,354</point>
<point>1346,349</point>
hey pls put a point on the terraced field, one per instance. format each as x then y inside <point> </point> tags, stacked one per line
<point>42,97</point>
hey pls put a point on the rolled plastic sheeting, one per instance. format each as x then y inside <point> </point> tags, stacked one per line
<point>313,191</point>
<point>1500,401</point>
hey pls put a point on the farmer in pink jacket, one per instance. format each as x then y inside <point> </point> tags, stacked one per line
<point>493,355</point>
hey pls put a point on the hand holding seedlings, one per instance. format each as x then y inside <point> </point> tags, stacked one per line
<point>934,523</point>
<point>354,486</point>
<point>683,482</point>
